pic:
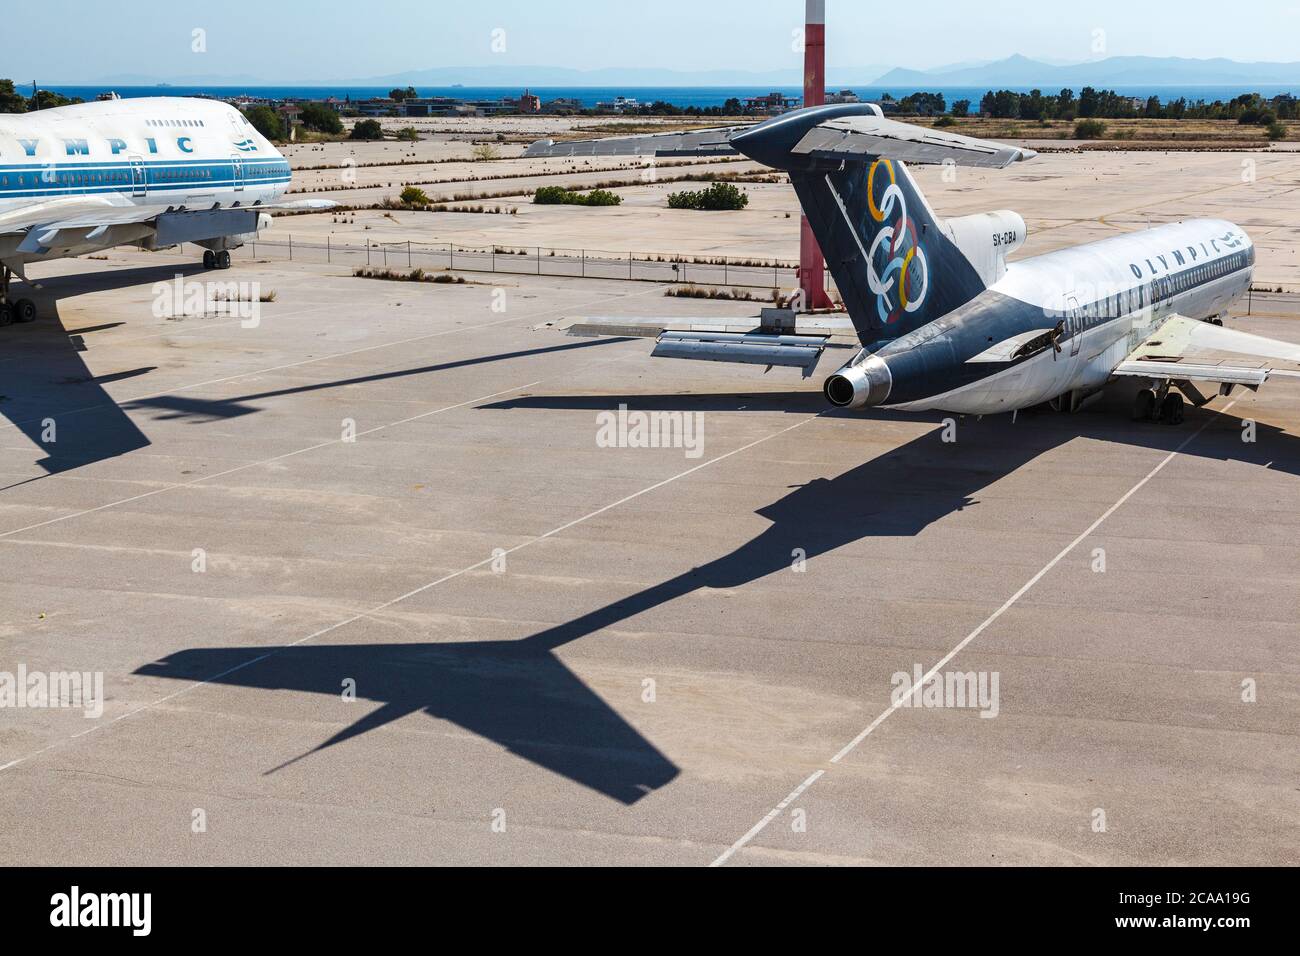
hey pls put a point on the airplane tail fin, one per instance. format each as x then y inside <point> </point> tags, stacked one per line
<point>893,261</point>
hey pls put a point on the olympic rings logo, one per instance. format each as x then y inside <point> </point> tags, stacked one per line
<point>902,280</point>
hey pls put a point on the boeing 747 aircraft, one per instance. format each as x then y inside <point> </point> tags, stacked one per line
<point>941,319</point>
<point>147,172</point>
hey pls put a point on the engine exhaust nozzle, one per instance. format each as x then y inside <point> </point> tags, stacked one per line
<point>860,384</point>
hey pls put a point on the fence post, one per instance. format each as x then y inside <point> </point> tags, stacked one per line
<point>291,247</point>
<point>409,263</point>
<point>328,257</point>
<point>539,260</point>
<point>451,249</point>
<point>367,252</point>
<point>584,263</point>
<point>629,266</point>
<point>494,257</point>
<point>725,274</point>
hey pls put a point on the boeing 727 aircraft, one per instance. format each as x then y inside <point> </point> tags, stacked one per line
<point>147,172</point>
<point>942,319</point>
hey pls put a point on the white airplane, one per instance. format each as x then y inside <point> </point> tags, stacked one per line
<point>942,319</point>
<point>151,172</point>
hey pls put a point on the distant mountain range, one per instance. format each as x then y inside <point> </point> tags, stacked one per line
<point>1014,71</point>
<point>1020,71</point>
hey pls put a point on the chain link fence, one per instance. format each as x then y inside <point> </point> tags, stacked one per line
<point>534,260</point>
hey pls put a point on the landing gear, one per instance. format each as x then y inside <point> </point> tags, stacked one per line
<point>219,259</point>
<point>24,310</point>
<point>1159,405</point>
<point>1171,409</point>
<point>1144,408</point>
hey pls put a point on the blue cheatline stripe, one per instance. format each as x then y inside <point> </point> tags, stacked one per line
<point>127,187</point>
<point>125,164</point>
<point>35,181</point>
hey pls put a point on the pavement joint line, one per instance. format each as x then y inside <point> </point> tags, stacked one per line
<point>274,651</point>
<point>762,824</point>
<point>324,358</point>
<point>261,462</point>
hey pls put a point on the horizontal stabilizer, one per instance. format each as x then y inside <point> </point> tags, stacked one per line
<point>862,138</point>
<point>830,326</point>
<point>789,351</point>
<point>702,142</point>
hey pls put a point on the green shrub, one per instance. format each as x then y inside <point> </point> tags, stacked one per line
<point>1089,129</point>
<point>266,121</point>
<point>1277,130</point>
<point>559,196</point>
<point>718,196</point>
<point>321,119</point>
<point>415,196</point>
<point>945,121</point>
<point>368,129</point>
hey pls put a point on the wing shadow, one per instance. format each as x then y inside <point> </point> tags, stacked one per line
<point>517,694</point>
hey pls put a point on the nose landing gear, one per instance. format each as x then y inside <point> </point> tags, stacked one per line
<point>216,260</point>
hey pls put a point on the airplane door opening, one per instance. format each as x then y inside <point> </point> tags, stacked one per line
<point>139,178</point>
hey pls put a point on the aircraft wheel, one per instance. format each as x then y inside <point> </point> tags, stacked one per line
<point>24,310</point>
<point>223,259</point>
<point>6,314</point>
<point>209,259</point>
<point>1171,410</point>
<point>1144,408</point>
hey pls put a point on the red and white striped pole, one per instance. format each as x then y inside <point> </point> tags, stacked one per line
<point>812,268</point>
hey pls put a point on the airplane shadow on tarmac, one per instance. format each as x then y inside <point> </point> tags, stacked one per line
<point>44,379</point>
<point>521,696</point>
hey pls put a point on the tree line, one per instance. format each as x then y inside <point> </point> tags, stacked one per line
<point>12,101</point>
<point>1248,108</point>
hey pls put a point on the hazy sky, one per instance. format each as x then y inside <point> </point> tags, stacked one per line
<point>295,40</point>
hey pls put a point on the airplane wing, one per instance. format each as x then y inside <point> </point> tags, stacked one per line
<point>1186,349</point>
<point>87,212</point>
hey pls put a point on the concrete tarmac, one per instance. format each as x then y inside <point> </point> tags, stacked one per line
<point>364,587</point>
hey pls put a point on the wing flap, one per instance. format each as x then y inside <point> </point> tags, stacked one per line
<point>1197,351</point>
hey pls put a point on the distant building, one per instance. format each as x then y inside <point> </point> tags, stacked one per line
<point>436,106</point>
<point>529,103</point>
<point>772,103</point>
<point>380,106</point>
<point>620,104</point>
<point>843,96</point>
<point>562,106</point>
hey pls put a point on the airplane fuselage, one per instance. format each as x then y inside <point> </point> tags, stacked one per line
<point>1060,323</point>
<point>116,162</point>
